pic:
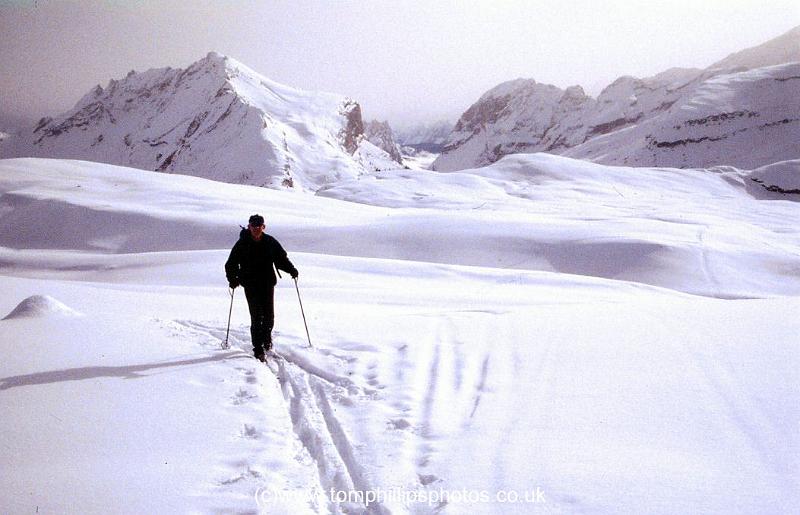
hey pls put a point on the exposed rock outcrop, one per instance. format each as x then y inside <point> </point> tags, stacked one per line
<point>380,134</point>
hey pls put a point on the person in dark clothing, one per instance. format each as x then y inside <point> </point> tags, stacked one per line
<point>252,264</point>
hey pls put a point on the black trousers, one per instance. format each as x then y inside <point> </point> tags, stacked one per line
<point>260,301</point>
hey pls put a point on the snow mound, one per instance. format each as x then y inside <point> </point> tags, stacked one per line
<point>40,306</point>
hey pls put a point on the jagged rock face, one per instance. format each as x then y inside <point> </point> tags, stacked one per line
<point>216,119</point>
<point>380,134</point>
<point>644,122</point>
<point>350,135</point>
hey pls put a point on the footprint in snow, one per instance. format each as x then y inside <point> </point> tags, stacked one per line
<point>242,396</point>
<point>250,432</point>
<point>426,479</point>
<point>399,423</point>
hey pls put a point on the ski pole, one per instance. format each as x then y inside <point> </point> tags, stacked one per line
<point>302,311</point>
<point>225,344</point>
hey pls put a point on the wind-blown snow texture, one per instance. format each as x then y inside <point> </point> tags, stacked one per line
<point>443,388</point>
<point>724,115</point>
<point>216,119</point>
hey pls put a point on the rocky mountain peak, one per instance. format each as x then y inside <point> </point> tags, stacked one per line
<point>574,94</point>
<point>515,116</point>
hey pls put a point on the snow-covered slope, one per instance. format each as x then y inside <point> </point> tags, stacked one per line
<point>746,119</point>
<point>689,230</point>
<point>431,387</point>
<point>380,134</point>
<point>374,159</point>
<point>418,159</point>
<point>782,178</point>
<point>523,116</point>
<point>783,49</point>
<point>216,119</point>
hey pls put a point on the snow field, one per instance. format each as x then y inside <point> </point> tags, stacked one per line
<point>431,382</point>
<point>606,398</point>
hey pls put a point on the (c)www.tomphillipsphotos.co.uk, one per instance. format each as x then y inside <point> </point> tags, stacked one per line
<point>266,496</point>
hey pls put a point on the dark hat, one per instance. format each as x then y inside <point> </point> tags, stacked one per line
<point>256,220</point>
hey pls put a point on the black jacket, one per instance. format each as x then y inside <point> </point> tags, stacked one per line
<point>251,262</point>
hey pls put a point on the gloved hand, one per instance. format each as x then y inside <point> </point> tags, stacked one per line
<point>294,273</point>
<point>232,284</point>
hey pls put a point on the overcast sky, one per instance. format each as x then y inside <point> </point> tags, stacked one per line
<point>402,60</point>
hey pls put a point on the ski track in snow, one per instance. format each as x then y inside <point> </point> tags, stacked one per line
<point>320,432</point>
<point>481,386</point>
<point>307,390</point>
<point>705,262</point>
<point>312,394</point>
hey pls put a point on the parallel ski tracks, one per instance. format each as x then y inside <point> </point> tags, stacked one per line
<point>307,390</point>
<point>319,430</point>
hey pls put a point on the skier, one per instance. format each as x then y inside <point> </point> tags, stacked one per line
<point>250,264</point>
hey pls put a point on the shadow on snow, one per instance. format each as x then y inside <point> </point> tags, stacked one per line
<point>124,372</point>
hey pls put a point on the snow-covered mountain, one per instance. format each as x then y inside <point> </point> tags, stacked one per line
<point>525,116</point>
<point>428,137</point>
<point>746,119</point>
<point>514,117</point>
<point>380,134</point>
<point>216,119</point>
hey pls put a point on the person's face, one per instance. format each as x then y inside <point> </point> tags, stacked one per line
<point>256,230</point>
